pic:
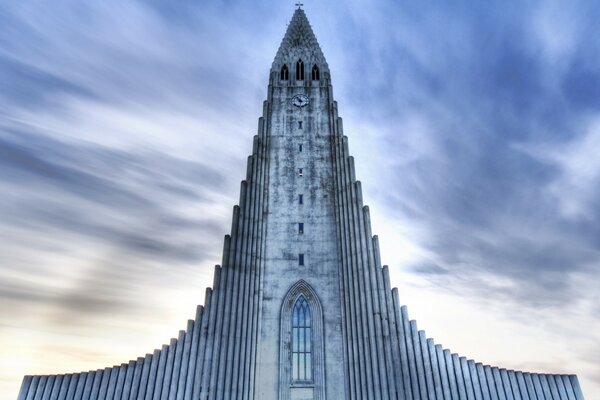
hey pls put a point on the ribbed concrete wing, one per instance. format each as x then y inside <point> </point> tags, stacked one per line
<point>219,355</point>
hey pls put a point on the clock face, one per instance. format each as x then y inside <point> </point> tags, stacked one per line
<point>300,100</point>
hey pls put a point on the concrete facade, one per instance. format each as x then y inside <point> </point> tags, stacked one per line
<point>301,307</point>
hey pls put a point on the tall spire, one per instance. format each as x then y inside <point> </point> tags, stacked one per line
<point>299,42</point>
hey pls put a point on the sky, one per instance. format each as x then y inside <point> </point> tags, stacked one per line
<point>124,132</point>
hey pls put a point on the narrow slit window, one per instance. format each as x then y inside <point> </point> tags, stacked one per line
<point>284,75</point>
<point>315,73</point>
<point>299,124</point>
<point>300,172</point>
<point>300,199</point>
<point>300,148</point>
<point>299,70</point>
<point>301,259</point>
<point>301,228</point>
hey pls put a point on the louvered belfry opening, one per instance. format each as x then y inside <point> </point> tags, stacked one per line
<point>299,70</point>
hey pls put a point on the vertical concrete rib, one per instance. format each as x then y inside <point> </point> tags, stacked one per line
<point>529,385</point>
<point>419,360</point>
<point>24,387</point>
<point>137,378</point>
<point>435,370</point>
<point>359,290</point>
<point>353,279</point>
<point>56,387</point>
<point>160,372</point>
<point>166,384</point>
<point>514,385</point>
<point>475,380</point>
<point>39,390</point>
<point>257,299</point>
<point>483,382</point>
<point>522,385</point>
<point>379,315</point>
<point>401,332</point>
<point>95,389</point>
<point>451,375</point>
<point>244,268</point>
<point>82,383</point>
<point>210,343</point>
<point>64,387</point>
<point>248,376</point>
<point>223,316</point>
<point>428,372</point>
<point>127,382</point>
<point>201,345</point>
<point>226,354</point>
<point>568,387</point>
<point>352,353</point>
<point>104,383</point>
<point>185,359</point>
<point>498,382</point>
<point>33,387</point>
<point>546,387</point>
<point>248,311</point>
<point>539,390</point>
<point>246,360</point>
<point>553,387</point>
<point>576,387</point>
<point>491,381</point>
<point>460,381</point>
<point>152,375</point>
<point>177,366</point>
<point>443,371</point>
<point>72,389</point>
<point>145,377</point>
<point>120,382</point>
<point>48,388</point>
<point>370,287</point>
<point>466,373</point>
<point>410,354</point>
<point>112,383</point>
<point>393,313</point>
<point>561,388</point>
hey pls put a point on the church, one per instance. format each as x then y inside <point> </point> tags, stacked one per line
<point>301,307</point>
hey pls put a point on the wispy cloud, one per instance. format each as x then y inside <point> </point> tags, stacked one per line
<point>124,128</point>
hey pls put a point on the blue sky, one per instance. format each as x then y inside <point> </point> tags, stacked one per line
<point>124,129</point>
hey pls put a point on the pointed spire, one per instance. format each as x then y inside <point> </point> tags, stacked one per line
<point>299,42</point>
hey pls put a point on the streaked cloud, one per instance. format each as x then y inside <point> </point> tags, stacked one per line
<point>124,128</point>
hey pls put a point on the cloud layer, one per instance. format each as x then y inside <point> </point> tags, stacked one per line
<point>124,128</point>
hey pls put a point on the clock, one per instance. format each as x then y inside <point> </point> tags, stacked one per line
<point>300,100</point>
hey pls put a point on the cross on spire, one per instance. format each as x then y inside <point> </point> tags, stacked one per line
<point>299,5</point>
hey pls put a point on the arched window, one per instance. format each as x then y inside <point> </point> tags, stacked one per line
<point>299,70</point>
<point>301,341</point>
<point>301,345</point>
<point>284,75</point>
<point>315,73</point>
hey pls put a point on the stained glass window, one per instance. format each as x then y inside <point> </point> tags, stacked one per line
<point>301,341</point>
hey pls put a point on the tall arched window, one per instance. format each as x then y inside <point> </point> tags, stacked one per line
<point>301,341</point>
<point>301,345</point>
<point>299,70</point>
<point>284,75</point>
<point>315,73</point>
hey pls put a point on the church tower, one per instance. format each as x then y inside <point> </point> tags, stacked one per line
<point>301,307</point>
